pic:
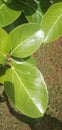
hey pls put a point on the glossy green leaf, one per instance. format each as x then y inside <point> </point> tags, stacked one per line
<point>26,39</point>
<point>4,46</point>
<point>32,10</point>
<point>8,12</point>
<point>52,23</point>
<point>25,86</point>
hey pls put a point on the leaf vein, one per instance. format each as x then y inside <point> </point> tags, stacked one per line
<point>25,88</point>
<point>53,27</point>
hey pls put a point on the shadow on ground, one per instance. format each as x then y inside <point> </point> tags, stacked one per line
<point>45,123</point>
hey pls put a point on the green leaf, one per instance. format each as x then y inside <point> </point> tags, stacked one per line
<point>9,12</point>
<point>20,20</point>
<point>26,39</point>
<point>4,46</point>
<point>32,10</point>
<point>30,60</point>
<point>52,23</point>
<point>25,86</point>
<point>2,73</point>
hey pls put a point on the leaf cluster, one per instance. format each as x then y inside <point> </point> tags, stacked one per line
<point>24,26</point>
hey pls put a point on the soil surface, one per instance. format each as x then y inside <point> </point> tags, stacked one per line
<point>11,119</point>
<point>49,61</point>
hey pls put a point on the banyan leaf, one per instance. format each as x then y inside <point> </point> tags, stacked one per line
<point>26,39</point>
<point>5,46</point>
<point>25,86</point>
<point>32,10</point>
<point>52,23</point>
<point>29,59</point>
<point>9,12</point>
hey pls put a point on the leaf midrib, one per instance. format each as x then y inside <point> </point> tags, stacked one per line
<point>24,88</point>
<point>52,27</point>
<point>22,43</point>
<point>2,6</point>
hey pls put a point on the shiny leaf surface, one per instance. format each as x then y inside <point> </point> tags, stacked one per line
<point>25,86</point>
<point>52,23</point>
<point>8,12</point>
<point>26,39</point>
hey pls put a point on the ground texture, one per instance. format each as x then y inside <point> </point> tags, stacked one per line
<point>49,61</point>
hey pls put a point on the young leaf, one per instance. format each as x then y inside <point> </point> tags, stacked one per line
<point>26,39</point>
<point>4,46</point>
<point>25,86</point>
<point>52,23</point>
<point>9,12</point>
